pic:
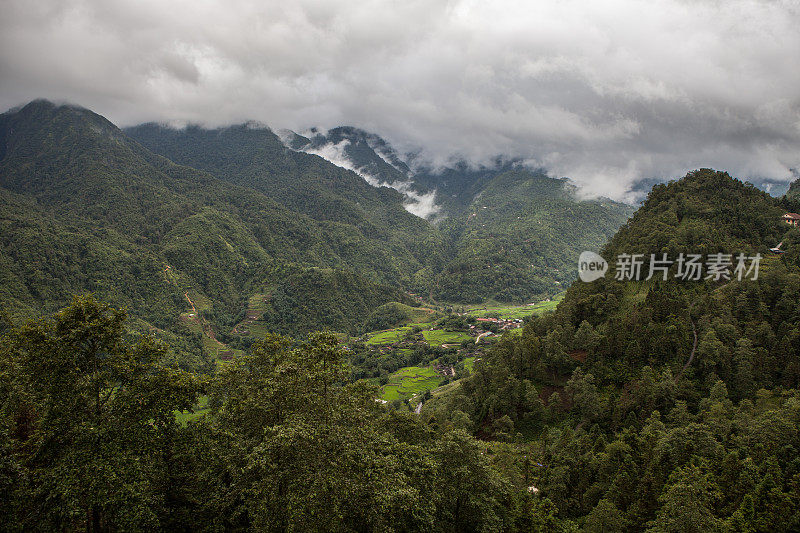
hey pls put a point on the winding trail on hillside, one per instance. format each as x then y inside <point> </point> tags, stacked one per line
<point>694,348</point>
<point>194,310</point>
<point>694,332</point>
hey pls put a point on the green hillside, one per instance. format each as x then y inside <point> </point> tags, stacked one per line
<point>510,234</point>
<point>367,223</point>
<point>637,390</point>
<point>226,213</point>
<point>794,190</point>
<point>85,208</point>
<point>521,237</point>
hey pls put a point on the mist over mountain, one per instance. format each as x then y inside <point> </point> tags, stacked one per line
<point>506,232</point>
<point>313,266</point>
<point>590,91</point>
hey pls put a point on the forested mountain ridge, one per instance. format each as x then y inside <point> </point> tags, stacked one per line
<point>662,405</point>
<point>255,157</point>
<point>365,151</point>
<point>219,216</point>
<point>368,221</point>
<point>521,237</point>
<point>606,415</point>
<point>505,233</point>
<point>88,209</point>
<point>794,190</point>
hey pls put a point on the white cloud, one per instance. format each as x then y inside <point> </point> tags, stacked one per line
<point>421,205</point>
<point>605,92</point>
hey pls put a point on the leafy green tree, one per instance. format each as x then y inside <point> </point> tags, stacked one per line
<point>95,414</point>
<point>744,376</point>
<point>687,503</point>
<point>606,518</point>
<point>583,392</point>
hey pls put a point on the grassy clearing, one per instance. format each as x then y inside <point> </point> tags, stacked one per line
<point>184,417</point>
<point>388,336</point>
<point>420,315</point>
<point>438,337</point>
<point>469,364</point>
<point>409,381</point>
<point>512,312</point>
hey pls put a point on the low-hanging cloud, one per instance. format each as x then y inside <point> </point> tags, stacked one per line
<point>420,204</point>
<point>604,92</point>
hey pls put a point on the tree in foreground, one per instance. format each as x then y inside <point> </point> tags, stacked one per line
<point>308,451</point>
<point>89,420</point>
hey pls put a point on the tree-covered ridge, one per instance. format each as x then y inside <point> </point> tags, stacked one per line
<point>367,152</point>
<point>255,157</point>
<point>318,299</point>
<point>662,405</point>
<point>516,250</point>
<point>85,208</point>
<point>521,236</point>
<point>794,190</point>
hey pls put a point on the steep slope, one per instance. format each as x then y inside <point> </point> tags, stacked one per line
<point>633,386</point>
<point>365,151</point>
<point>446,191</point>
<point>794,190</point>
<point>87,208</point>
<point>521,238</point>
<point>512,233</point>
<point>356,215</point>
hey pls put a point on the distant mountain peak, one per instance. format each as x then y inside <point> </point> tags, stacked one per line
<point>372,158</point>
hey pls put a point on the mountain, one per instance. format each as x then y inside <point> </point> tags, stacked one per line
<point>448,190</point>
<point>255,157</point>
<point>512,233</point>
<point>367,152</point>
<point>186,227</point>
<point>86,208</point>
<point>638,389</point>
<point>521,236</point>
<point>794,190</point>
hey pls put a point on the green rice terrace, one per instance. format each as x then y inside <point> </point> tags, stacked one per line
<point>410,381</point>
<point>512,312</point>
<point>449,344</point>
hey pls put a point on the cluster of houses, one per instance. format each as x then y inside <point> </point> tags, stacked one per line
<point>502,323</point>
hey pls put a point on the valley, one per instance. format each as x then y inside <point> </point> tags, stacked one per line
<point>400,267</point>
<point>262,318</point>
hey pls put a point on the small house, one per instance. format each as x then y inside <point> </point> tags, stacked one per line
<point>791,218</point>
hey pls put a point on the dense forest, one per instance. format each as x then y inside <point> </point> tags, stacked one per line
<point>662,405</point>
<point>85,208</point>
<point>511,233</point>
<point>90,441</point>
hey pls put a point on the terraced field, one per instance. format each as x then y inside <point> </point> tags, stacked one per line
<point>469,364</point>
<point>438,337</point>
<point>195,322</point>
<point>409,381</point>
<point>513,312</point>
<point>388,336</point>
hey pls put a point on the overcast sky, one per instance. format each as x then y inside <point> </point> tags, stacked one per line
<point>605,92</point>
